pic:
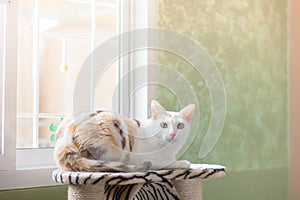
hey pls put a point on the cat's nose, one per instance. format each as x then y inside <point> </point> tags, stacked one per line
<point>172,135</point>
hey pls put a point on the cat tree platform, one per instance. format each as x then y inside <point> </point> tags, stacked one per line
<point>183,184</point>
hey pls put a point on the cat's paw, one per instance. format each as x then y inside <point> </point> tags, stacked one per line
<point>145,166</point>
<point>184,164</point>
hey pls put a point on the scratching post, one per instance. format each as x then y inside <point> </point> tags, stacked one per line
<point>183,184</point>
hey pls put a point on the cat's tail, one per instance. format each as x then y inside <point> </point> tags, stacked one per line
<point>89,165</point>
<point>70,160</point>
<point>119,166</point>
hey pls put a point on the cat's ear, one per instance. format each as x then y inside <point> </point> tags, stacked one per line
<point>188,112</point>
<point>156,109</point>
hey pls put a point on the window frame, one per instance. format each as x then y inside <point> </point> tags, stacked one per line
<point>26,168</point>
<point>129,11</point>
<point>9,58</point>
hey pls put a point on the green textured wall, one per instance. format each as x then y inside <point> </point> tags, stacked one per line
<point>247,40</point>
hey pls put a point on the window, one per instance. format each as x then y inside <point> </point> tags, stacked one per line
<point>54,39</point>
<point>48,66</point>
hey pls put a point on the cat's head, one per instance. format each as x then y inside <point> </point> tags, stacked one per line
<point>172,125</point>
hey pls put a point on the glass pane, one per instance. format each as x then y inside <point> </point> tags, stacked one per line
<point>56,82</point>
<point>25,74</point>
<point>48,65</point>
<point>106,87</point>
<point>24,132</point>
<point>106,24</point>
<point>25,58</point>
<point>67,18</point>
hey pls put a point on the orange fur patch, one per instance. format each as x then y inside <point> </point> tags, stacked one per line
<point>131,132</point>
<point>72,128</point>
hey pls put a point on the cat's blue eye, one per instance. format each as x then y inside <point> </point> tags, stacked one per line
<point>164,125</point>
<point>180,126</point>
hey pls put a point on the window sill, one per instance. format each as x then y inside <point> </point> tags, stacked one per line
<point>34,158</point>
<point>34,168</point>
<point>26,178</point>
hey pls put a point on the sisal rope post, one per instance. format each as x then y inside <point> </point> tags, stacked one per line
<point>189,189</point>
<point>86,192</point>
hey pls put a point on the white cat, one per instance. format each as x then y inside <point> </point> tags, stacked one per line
<point>104,141</point>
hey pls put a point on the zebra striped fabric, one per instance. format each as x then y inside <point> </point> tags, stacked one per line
<point>139,185</point>
<point>146,191</point>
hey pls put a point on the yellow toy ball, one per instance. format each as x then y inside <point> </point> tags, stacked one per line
<point>63,68</point>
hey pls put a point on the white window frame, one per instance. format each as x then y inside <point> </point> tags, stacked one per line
<point>9,67</point>
<point>26,168</point>
<point>135,15</point>
<point>142,14</point>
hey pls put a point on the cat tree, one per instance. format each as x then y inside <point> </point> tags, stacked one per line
<point>183,184</point>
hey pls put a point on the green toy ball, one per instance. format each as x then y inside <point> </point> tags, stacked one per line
<point>53,127</point>
<point>52,137</point>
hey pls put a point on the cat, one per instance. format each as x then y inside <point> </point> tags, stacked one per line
<point>104,141</point>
